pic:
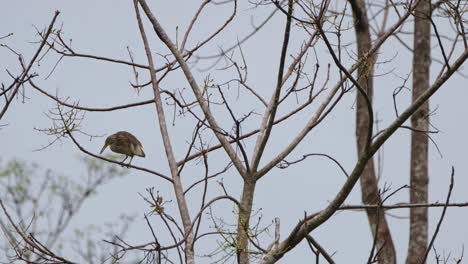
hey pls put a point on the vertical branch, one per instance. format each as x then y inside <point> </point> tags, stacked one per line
<point>270,112</point>
<point>419,178</point>
<point>195,88</point>
<point>178,189</point>
<point>369,184</point>
<point>441,219</point>
<point>246,202</point>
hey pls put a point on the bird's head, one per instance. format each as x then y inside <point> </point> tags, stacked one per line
<point>109,140</point>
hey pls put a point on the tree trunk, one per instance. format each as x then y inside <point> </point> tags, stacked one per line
<point>369,185</point>
<point>419,178</point>
<point>243,223</point>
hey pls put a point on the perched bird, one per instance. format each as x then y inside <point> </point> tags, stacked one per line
<point>124,143</point>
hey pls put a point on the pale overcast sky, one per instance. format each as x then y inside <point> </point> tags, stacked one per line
<point>107,27</point>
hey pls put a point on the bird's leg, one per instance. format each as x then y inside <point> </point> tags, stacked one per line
<point>130,162</point>
<point>124,159</point>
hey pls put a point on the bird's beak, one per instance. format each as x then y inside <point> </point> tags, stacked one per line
<point>103,148</point>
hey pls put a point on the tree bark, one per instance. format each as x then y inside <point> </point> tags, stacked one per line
<point>369,185</point>
<point>419,177</point>
<point>243,223</point>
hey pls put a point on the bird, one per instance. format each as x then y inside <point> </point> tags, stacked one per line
<point>124,143</point>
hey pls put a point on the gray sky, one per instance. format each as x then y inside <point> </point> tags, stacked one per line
<point>108,27</point>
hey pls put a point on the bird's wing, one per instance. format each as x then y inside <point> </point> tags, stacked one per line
<point>133,143</point>
<point>129,136</point>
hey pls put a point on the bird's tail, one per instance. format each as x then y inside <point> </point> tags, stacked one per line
<point>139,152</point>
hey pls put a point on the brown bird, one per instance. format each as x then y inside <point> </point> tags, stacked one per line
<point>124,143</point>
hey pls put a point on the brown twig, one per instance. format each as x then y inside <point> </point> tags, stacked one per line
<point>24,75</point>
